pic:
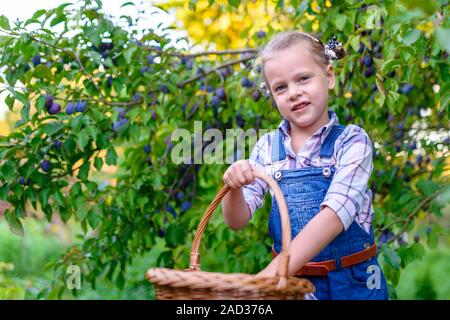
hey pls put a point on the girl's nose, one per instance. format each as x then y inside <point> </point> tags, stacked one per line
<point>294,91</point>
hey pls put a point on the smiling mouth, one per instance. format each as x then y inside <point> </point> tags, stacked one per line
<point>301,106</point>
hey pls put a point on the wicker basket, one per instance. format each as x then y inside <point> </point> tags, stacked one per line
<point>200,285</point>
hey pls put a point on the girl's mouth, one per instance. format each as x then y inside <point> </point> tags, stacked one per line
<point>301,107</point>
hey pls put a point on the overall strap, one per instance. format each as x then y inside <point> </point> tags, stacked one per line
<point>326,151</point>
<point>278,152</point>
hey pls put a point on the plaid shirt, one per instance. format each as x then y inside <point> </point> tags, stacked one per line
<point>348,195</point>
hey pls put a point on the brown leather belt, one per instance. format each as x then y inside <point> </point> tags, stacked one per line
<point>323,267</point>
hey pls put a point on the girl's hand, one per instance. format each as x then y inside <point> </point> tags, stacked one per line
<point>239,174</point>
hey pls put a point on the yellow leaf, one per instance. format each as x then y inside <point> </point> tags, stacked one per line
<point>328,4</point>
<point>426,27</point>
<point>315,26</point>
<point>315,6</point>
<point>309,16</point>
<point>348,94</point>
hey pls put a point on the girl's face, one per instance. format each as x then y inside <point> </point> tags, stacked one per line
<point>294,79</point>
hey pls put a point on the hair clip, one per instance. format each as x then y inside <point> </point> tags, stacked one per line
<point>265,91</point>
<point>332,44</point>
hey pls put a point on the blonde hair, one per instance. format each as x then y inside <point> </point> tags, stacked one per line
<point>322,54</point>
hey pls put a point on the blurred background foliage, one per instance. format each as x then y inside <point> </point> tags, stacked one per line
<point>86,176</point>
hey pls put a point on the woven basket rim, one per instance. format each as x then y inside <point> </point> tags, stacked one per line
<point>218,282</point>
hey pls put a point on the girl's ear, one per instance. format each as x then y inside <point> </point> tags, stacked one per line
<point>330,77</point>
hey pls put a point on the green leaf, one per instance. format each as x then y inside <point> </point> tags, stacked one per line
<point>83,139</point>
<point>411,37</point>
<point>4,189</point>
<point>4,23</point>
<point>94,217</point>
<point>38,13</point>
<point>391,100</point>
<point>14,223</point>
<point>354,42</point>
<point>390,65</point>
<point>81,208</point>
<point>9,171</point>
<point>42,71</point>
<point>111,157</point>
<point>84,170</point>
<point>427,187</point>
<point>98,163</point>
<point>59,198</point>
<point>76,123</point>
<point>128,54</point>
<point>52,127</point>
<point>175,235</point>
<point>58,19</point>
<point>391,256</point>
<point>129,3</point>
<point>340,20</point>
<point>40,103</point>
<point>43,197</point>
<point>442,36</point>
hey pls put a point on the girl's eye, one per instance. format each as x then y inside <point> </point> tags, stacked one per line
<point>278,88</point>
<point>303,78</point>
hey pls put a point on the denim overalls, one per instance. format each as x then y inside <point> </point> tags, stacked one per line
<point>304,189</point>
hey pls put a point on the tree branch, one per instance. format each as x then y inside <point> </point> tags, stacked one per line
<point>416,210</point>
<point>217,68</point>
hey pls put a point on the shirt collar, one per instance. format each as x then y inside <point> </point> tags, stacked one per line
<point>334,120</point>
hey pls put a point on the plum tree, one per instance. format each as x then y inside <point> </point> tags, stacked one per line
<point>126,90</point>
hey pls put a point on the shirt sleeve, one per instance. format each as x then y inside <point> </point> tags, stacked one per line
<point>254,193</point>
<point>354,166</point>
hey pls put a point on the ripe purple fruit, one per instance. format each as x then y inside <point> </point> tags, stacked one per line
<point>119,124</point>
<point>369,71</point>
<point>147,148</point>
<point>171,210</point>
<point>109,82</point>
<point>58,144</point>
<point>185,206</point>
<point>70,108</point>
<point>240,121</point>
<point>361,47</point>
<point>189,64</point>
<point>164,89</point>
<point>150,58</point>
<point>260,34</point>
<point>215,101</point>
<point>256,95</point>
<point>220,92</point>
<point>55,108</point>
<point>210,88</point>
<point>46,165</point>
<point>121,112</point>
<point>180,195</point>
<point>386,236</point>
<point>22,180</point>
<point>246,83</point>
<point>48,101</point>
<point>36,60</point>
<point>406,88</point>
<point>80,106</point>
<point>368,61</point>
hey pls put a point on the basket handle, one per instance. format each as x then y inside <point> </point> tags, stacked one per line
<point>194,263</point>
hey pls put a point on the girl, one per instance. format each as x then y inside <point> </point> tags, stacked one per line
<point>322,168</point>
